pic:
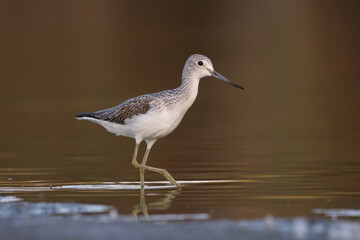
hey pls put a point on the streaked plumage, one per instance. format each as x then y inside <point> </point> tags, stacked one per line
<point>126,110</point>
<point>153,116</point>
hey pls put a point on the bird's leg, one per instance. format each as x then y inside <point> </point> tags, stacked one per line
<point>142,166</point>
<point>142,169</point>
<point>135,163</point>
<point>163,172</point>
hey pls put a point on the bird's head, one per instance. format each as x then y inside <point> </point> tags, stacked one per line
<point>199,66</point>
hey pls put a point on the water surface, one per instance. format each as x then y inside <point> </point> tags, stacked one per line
<point>287,146</point>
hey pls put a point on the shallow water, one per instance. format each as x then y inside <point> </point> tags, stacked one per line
<point>233,188</point>
<point>287,146</point>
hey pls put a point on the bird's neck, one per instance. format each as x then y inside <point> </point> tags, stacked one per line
<point>189,88</point>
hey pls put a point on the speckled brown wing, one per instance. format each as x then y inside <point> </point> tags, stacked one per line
<point>126,110</point>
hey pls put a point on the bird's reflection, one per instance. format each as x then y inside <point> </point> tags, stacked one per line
<point>160,204</point>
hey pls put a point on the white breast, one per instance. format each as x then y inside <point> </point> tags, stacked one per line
<point>155,124</point>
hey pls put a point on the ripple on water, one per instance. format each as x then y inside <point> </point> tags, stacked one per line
<point>28,209</point>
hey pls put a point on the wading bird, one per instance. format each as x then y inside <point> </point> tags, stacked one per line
<point>152,116</point>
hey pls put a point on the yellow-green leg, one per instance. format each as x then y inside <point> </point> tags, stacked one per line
<point>163,172</point>
<point>135,163</point>
<point>142,167</point>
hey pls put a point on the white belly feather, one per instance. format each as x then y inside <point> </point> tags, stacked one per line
<point>152,125</point>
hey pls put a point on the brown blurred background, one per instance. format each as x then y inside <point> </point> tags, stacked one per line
<point>298,60</point>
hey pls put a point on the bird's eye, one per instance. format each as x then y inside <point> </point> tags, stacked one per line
<point>200,63</point>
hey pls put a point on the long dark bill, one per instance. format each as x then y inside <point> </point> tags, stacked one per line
<point>222,78</point>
